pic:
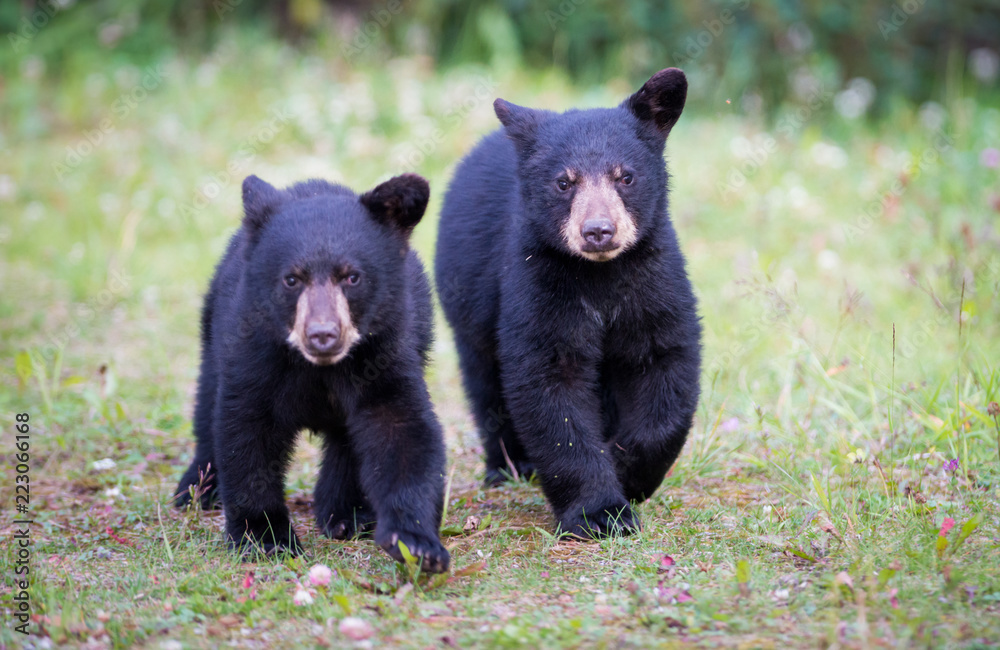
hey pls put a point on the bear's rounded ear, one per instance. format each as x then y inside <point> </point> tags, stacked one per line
<point>259,202</point>
<point>399,202</point>
<point>660,100</point>
<point>520,123</point>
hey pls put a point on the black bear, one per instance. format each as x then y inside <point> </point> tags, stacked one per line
<point>319,317</point>
<point>575,322</point>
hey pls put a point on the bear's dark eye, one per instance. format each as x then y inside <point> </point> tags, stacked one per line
<point>626,179</point>
<point>291,281</point>
<point>354,278</point>
<point>562,184</point>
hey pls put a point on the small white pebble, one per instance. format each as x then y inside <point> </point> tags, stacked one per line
<point>103,465</point>
<point>827,260</point>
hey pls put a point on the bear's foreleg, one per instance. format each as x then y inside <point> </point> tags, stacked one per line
<point>253,454</point>
<point>655,411</point>
<point>551,389</point>
<point>400,447</point>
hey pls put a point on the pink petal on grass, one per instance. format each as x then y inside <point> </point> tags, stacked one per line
<point>672,595</point>
<point>892,598</point>
<point>946,525</point>
<point>545,574</point>
<point>320,575</point>
<point>302,597</point>
<point>666,562</point>
<point>248,580</point>
<point>112,535</point>
<point>356,629</point>
<point>732,424</point>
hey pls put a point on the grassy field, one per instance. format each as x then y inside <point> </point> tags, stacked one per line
<point>840,487</point>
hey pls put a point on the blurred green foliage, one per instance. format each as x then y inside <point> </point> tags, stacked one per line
<point>905,46</point>
<point>767,49</point>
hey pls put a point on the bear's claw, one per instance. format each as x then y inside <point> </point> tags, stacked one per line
<point>434,558</point>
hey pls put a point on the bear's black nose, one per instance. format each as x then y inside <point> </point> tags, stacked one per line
<point>598,232</point>
<point>322,336</point>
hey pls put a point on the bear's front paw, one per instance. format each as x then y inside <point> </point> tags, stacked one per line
<point>617,520</point>
<point>433,557</point>
<point>254,540</point>
<point>356,522</point>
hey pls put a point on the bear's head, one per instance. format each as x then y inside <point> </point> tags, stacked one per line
<point>594,181</point>
<point>325,265</point>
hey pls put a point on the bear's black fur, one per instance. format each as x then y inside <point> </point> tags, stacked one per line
<point>319,317</point>
<point>576,325</point>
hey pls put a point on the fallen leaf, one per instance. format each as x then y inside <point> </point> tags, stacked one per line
<point>230,620</point>
<point>743,577</point>
<point>469,570</point>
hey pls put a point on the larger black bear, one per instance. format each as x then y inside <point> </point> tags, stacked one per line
<point>575,322</point>
<point>319,317</point>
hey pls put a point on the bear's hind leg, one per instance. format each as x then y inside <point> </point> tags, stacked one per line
<point>202,474</point>
<point>342,511</point>
<point>505,455</point>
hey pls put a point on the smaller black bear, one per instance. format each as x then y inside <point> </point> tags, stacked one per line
<point>576,325</point>
<point>319,317</point>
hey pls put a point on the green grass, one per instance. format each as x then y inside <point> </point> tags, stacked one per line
<point>805,509</point>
